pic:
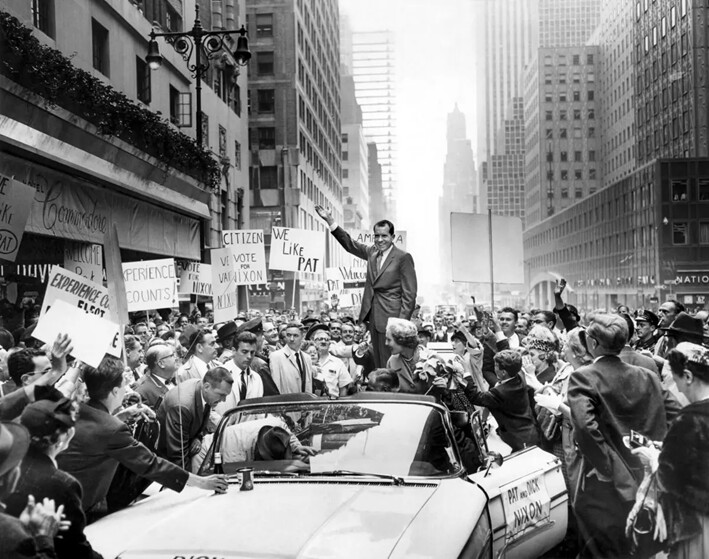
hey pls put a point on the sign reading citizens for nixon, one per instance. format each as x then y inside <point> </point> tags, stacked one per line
<point>150,284</point>
<point>248,255</point>
<point>223,285</point>
<point>15,203</point>
<point>526,504</point>
<point>195,278</point>
<point>297,250</point>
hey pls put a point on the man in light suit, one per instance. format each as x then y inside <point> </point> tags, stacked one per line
<point>390,288</point>
<point>291,368</point>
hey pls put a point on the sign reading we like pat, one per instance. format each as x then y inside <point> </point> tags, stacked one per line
<point>15,202</point>
<point>91,336</point>
<point>297,250</point>
<point>150,284</point>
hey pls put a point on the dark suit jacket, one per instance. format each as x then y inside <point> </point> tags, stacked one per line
<point>489,358</point>
<point>509,404</point>
<point>391,292</point>
<point>608,398</point>
<point>41,478</point>
<point>101,442</point>
<point>260,366</point>
<point>17,543</point>
<point>177,433</point>
<point>632,357</point>
<point>151,390</point>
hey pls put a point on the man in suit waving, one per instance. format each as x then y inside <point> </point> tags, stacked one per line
<point>390,288</point>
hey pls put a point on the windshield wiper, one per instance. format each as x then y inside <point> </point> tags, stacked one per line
<point>396,479</point>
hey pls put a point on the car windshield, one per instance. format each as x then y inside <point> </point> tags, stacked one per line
<point>380,438</point>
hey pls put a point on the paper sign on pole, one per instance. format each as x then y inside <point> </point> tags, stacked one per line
<point>15,202</point>
<point>80,293</point>
<point>223,285</point>
<point>91,336</point>
<point>150,284</point>
<point>248,255</point>
<point>85,259</point>
<point>297,250</point>
<point>195,279</point>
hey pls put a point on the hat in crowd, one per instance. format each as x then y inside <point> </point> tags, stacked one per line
<point>226,331</point>
<point>458,335</point>
<point>273,443</point>
<point>315,328</point>
<point>242,316</point>
<point>423,331</point>
<point>45,417</point>
<point>255,326</point>
<point>649,317</point>
<point>694,353</point>
<point>347,319</point>
<point>685,325</point>
<point>14,442</point>
<point>308,322</point>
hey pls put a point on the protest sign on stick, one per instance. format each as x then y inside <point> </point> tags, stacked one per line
<point>15,202</point>
<point>248,255</point>
<point>297,250</point>
<point>223,285</point>
<point>85,259</point>
<point>195,279</point>
<point>150,284</point>
<point>91,336</point>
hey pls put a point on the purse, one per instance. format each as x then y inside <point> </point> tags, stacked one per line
<point>642,532</point>
<point>549,424</point>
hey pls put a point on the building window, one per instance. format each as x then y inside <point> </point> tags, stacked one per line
<point>562,115</point>
<point>578,174</point>
<point>589,59</point>
<point>563,133</point>
<point>173,20</point>
<point>549,115</point>
<point>564,175</point>
<point>550,156</point>
<point>99,41</point>
<point>237,155</point>
<point>264,25</point>
<point>592,174</point>
<point>548,98</point>
<point>345,173</point>
<point>564,156</point>
<point>266,100</point>
<point>205,129</point>
<point>180,108</point>
<point>345,156</point>
<point>591,155</point>
<point>345,138</point>
<point>576,96</point>
<point>591,132</point>
<point>564,190</point>
<point>578,193</point>
<point>264,63</point>
<point>591,114</point>
<point>222,142</point>
<point>590,95</point>
<point>578,156</point>
<point>680,233</point>
<point>267,138</point>
<point>663,27</point>
<point>142,80</point>
<point>673,16</point>
<point>562,97</point>
<point>703,187</point>
<point>704,232</point>
<point>268,177</point>
<point>547,60</point>
<point>577,114</point>
<point>679,190</point>
<point>43,16</point>
<point>575,60</point>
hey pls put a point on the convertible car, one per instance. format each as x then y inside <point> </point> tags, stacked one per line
<point>373,475</point>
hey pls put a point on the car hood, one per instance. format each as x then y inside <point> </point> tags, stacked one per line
<point>277,519</point>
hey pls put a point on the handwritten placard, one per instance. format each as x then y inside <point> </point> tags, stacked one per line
<point>248,255</point>
<point>297,250</point>
<point>526,505</point>
<point>150,284</point>
<point>195,278</point>
<point>85,259</point>
<point>15,203</point>
<point>223,285</point>
<point>91,336</point>
<point>345,285</point>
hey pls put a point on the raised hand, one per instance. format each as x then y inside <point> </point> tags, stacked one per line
<point>325,214</point>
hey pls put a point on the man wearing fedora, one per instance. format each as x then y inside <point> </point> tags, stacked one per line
<point>33,536</point>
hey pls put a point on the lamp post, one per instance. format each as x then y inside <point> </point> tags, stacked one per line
<point>204,44</point>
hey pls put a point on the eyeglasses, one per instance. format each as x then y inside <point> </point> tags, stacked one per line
<point>321,339</point>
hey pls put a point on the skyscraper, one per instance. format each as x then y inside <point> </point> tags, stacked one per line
<point>459,185</point>
<point>373,68</point>
<point>565,23</point>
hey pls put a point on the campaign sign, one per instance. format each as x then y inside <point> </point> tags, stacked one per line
<point>297,250</point>
<point>248,255</point>
<point>526,505</point>
<point>15,202</point>
<point>344,285</point>
<point>223,285</point>
<point>150,284</point>
<point>91,336</point>
<point>85,259</point>
<point>366,237</point>
<point>195,278</point>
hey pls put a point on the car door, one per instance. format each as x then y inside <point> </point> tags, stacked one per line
<point>527,503</point>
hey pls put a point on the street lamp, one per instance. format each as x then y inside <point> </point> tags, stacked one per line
<point>204,44</point>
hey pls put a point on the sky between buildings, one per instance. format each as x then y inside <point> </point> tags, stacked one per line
<point>435,68</point>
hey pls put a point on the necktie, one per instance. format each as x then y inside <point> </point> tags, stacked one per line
<point>205,418</point>
<point>242,389</point>
<point>380,257</point>
<point>301,370</point>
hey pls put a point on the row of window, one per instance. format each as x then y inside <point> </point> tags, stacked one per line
<point>577,114</point>
<point>643,6</point>
<point>561,60</point>
<point>578,156</point>
<point>681,191</point>
<point>564,98</point>
<point>662,136</point>
<point>563,78</point>
<point>576,133</point>
<point>578,174</point>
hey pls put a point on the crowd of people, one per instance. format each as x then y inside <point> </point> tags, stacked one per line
<point>76,442</point>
